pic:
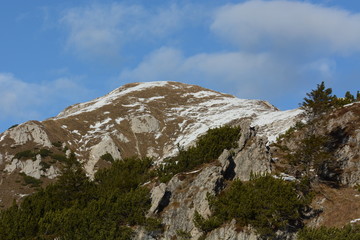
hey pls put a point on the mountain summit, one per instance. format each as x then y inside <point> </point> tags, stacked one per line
<point>194,144</point>
<point>145,119</point>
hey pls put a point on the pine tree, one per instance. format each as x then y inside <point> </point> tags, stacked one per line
<point>358,96</point>
<point>349,97</point>
<point>318,101</point>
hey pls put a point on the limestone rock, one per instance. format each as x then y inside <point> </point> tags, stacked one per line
<point>144,124</point>
<point>32,168</point>
<point>188,194</point>
<point>253,156</point>
<point>229,232</point>
<point>157,194</point>
<point>29,131</point>
<point>106,145</point>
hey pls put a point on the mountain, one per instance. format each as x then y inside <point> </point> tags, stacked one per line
<point>159,119</point>
<point>145,119</point>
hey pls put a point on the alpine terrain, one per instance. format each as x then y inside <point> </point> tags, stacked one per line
<point>167,160</point>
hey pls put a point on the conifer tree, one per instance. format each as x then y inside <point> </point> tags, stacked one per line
<point>318,101</point>
<point>349,97</point>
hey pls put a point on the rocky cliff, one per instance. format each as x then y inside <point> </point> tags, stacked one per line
<point>144,119</point>
<point>155,119</point>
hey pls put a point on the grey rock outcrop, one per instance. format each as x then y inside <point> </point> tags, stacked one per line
<point>176,202</point>
<point>229,232</point>
<point>106,145</point>
<point>350,155</point>
<point>29,131</point>
<point>253,153</point>
<point>188,194</point>
<point>144,124</point>
<point>32,168</point>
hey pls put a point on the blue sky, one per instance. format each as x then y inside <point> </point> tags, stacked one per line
<point>57,53</point>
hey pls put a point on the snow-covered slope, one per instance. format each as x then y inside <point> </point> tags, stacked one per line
<point>149,118</point>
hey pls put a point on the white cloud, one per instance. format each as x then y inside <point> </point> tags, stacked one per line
<point>274,25</point>
<point>103,29</point>
<point>247,75</point>
<point>25,101</point>
<point>326,68</point>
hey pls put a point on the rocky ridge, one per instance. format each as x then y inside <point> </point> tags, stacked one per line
<point>151,119</point>
<point>145,119</point>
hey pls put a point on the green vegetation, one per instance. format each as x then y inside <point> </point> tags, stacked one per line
<point>321,100</point>
<point>107,157</point>
<point>25,154</point>
<point>31,154</point>
<point>57,144</point>
<point>348,232</point>
<point>76,208</point>
<point>33,182</point>
<point>183,235</point>
<point>265,203</point>
<point>208,148</point>
<point>45,152</point>
<point>44,165</point>
<point>312,151</point>
<point>13,126</point>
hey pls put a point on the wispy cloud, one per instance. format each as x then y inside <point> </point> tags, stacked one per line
<point>103,29</point>
<point>288,25</point>
<point>244,74</point>
<point>25,101</point>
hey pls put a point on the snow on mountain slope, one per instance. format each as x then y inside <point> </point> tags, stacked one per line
<point>144,119</point>
<point>151,119</point>
<point>107,99</point>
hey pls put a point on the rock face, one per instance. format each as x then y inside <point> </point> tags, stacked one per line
<point>341,129</point>
<point>29,132</point>
<point>177,201</point>
<point>144,119</point>
<point>343,126</point>
<point>229,232</point>
<point>253,153</point>
<point>106,145</point>
<point>152,119</point>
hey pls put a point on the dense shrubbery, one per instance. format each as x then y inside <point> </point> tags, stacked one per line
<point>325,233</point>
<point>265,203</point>
<point>107,157</point>
<point>25,154</point>
<point>33,182</point>
<point>208,148</point>
<point>77,208</point>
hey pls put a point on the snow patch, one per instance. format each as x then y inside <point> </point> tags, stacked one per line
<point>76,132</point>
<point>107,99</point>
<point>201,94</point>
<point>285,177</point>
<point>355,220</point>
<point>119,120</point>
<point>272,124</point>
<point>98,125</point>
<point>2,137</point>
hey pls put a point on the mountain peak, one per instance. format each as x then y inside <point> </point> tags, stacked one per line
<point>150,119</point>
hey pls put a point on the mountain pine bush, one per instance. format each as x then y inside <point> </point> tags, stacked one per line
<point>208,148</point>
<point>76,208</point>
<point>265,203</point>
